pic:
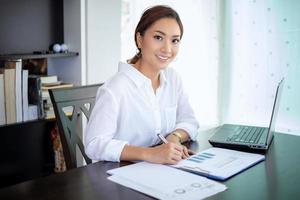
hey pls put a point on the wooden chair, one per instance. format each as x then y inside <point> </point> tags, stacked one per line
<point>69,104</point>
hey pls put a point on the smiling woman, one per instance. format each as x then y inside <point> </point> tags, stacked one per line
<point>144,98</point>
<point>161,13</point>
<point>158,46</point>
<point>198,58</point>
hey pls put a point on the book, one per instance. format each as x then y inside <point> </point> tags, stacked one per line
<point>10,95</point>
<point>62,85</point>
<point>48,107</point>
<point>17,66</point>
<point>49,79</point>
<point>25,94</point>
<point>2,100</point>
<point>35,94</point>
<point>219,163</point>
<point>59,160</point>
<point>32,112</point>
<point>49,114</point>
<point>52,84</point>
<point>45,94</point>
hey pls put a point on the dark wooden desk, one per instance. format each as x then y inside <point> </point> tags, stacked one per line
<point>276,178</point>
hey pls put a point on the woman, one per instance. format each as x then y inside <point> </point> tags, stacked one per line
<point>143,99</point>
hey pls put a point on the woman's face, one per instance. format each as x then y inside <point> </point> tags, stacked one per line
<point>160,43</point>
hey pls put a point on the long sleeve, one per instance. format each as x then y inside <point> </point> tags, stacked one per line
<point>99,136</point>
<point>185,118</point>
<point>126,112</point>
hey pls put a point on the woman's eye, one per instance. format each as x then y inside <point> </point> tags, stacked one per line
<point>175,41</point>
<point>158,37</point>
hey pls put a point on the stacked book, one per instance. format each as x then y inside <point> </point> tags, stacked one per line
<point>24,96</point>
<point>50,82</point>
<point>13,93</point>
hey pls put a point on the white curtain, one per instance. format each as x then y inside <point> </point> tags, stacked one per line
<point>262,44</point>
<point>232,56</point>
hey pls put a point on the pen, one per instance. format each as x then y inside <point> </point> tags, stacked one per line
<point>162,138</point>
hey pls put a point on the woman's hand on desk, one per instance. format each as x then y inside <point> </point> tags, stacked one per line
<point>169,153</point>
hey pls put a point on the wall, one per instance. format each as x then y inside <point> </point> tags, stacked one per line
<point>103,26</point>
<point>91,28</point>
<point>72,69</point>
<point>28,26</point>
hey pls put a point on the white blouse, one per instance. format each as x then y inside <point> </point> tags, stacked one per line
<point>127,111</point>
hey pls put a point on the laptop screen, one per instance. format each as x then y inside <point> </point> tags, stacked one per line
<point>275,111</point>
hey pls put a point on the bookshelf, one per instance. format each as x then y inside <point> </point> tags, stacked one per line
<point>27,27</point>
<point>30,26</point>
<point>27,139</point>
<point>37,55</point>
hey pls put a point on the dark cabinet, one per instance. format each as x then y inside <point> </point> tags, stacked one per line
<point>26,151</point>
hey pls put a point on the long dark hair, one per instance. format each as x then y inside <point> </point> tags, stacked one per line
<point>150,16</point>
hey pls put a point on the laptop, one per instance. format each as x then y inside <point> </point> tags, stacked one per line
<point>248,138</point>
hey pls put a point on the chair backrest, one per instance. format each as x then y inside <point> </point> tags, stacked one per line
<point>68,104</point>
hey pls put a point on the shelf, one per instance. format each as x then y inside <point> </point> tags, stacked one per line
<point>37,55</point>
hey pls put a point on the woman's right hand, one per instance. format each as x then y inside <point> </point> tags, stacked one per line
<point>169,153</point>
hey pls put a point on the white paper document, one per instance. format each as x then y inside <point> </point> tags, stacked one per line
<point>219,163</point>
<point>164,182</point>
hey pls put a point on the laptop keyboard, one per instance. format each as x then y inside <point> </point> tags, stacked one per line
<point>247,134</point>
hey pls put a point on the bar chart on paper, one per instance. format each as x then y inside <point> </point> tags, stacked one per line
<point>199,158</point>
<point>218,163</point>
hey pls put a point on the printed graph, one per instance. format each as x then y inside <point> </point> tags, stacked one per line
<point>199,158</point>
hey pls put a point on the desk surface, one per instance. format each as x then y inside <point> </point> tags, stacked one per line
<point>276,178</point>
